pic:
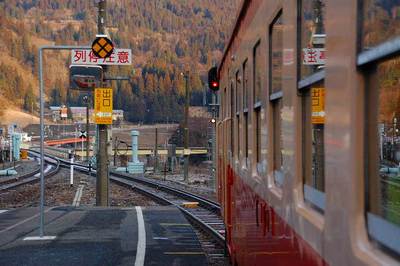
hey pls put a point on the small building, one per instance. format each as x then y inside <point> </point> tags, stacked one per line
<point>118,115</point>
<point>79,113</point>
<point>55,113</point>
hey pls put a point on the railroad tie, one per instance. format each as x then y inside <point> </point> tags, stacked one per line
<point>78,196</point>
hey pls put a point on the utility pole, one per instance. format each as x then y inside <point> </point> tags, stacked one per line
<point>102,184</point>
<point>186,129</point>
<point>86,99</point>
<point>214,144</point>
<point>156,151</point>
<point>115,151</point>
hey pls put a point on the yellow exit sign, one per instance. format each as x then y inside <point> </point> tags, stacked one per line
<point>318,105</point>
<point>103,106</point>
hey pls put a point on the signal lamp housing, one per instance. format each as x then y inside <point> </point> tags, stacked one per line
<point>213,81</point>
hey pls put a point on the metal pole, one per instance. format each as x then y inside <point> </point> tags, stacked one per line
<point>102,154</point>
<point>156,151</point>
<point>41,229</point>
<point>186,130</point>
<point>11,149</point>
<point>115,151</point>
<point>214,146</point>
<point>71,177</point>
<point>102,15</point>
<point>41,95</point>
<point>87,131</point>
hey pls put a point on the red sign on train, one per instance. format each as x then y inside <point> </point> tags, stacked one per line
<point>314,56</point>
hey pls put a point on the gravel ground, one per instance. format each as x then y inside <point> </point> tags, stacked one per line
<point>22,167</point>
<point>199,181</point>
<point>119,196</point>
<point>58,192</point>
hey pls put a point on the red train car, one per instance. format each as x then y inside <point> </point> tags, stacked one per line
<point>308,151</point>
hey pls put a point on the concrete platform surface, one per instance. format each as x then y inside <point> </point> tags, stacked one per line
<point>99,236</point>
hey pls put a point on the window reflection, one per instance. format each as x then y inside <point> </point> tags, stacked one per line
<point>276,55</point>
<point>276,94</point>
<point>257,72</point>
<point>277,135</point>
<point>313,137</point>
<point>381,22</point>
<point>312,37</point>
<point>245,85</point>
<point>385,186</point>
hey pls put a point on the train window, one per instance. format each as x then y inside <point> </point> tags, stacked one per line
<point>225,107</point>
<point>245,111</point>
<point>277,141</point>
<point>246,136</point>
<point>383,186</point>
<point>237,114</point>
<point>237,107</point>
<point>313,105</point>
<point>311,87</point>
<point>381,22</point>
<point>312,41</point>
<point>276,55</point>
<point>257,68</point>
<point>379,50</point>
<point>276,94</point>
<point>245,85</point>
<point>258,135</point>
<point>257,74</point>
<point>232,119</point>
<point>238,135</point>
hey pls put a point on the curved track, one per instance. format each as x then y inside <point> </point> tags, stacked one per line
<point>52,164</point>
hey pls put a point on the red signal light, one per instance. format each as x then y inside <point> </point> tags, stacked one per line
<point>213,83</point>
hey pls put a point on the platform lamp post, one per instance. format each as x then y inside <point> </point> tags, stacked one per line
<point>186,151</point>
<point>41,96</point>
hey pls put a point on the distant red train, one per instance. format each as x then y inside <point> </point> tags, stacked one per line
<point>307,135</point>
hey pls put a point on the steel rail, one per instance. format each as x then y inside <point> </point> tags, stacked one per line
<point>30,177</point>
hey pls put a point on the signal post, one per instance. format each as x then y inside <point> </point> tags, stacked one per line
<point>213,84</point>
<point>88,71</point>
<point>102,184</point>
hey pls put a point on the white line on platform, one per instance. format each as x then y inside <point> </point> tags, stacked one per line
<point>24,221</point>
<point>3,211</point>
<point>160,238</point>
<point>78,196</point>
<point>141,246</point>
<point>38,238</point>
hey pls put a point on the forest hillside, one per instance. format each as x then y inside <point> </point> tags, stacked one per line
<point>166,37</point>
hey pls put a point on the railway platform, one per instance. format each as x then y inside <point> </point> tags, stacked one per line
<point>158,235</point>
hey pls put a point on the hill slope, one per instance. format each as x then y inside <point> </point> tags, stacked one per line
<point>166,37</point>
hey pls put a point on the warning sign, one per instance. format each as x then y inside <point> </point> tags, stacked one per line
<point>102,46</point>
<point>103,106</point>
<point>318,105</point>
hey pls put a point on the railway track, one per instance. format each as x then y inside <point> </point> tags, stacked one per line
<point>52,167</point>
<point>203,213</point>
